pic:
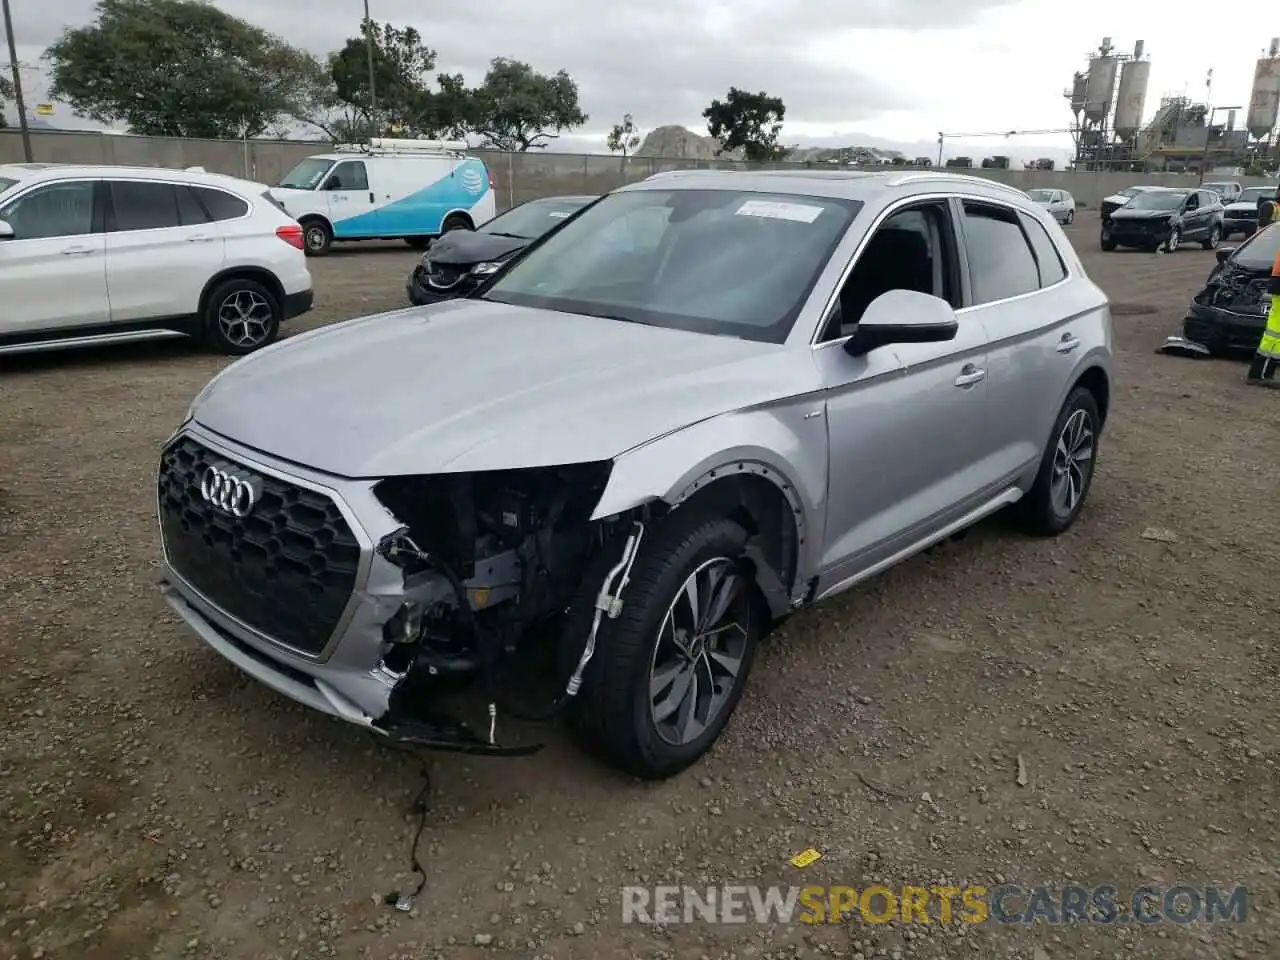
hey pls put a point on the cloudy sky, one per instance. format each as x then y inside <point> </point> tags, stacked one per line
<point>900,70</point>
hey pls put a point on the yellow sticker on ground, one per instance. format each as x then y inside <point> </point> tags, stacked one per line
<point>806,857</point>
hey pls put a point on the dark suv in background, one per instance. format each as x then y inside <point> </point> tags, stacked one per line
<point>1161,218</point>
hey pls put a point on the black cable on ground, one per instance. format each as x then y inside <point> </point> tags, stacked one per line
<point>396,898</point>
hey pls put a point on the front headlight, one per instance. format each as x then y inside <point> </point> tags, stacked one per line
<point>485,269</point>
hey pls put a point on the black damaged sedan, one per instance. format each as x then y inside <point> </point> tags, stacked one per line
<point>1162,218</point>
<point>457,262</point>
<point>1230,313</point>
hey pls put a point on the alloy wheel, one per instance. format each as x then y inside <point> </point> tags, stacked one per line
<point>702,643</point>
<point>1215,237</point>
<point>245,319</point>
<point>1072,463</point>
<point>315,238</point>
<point>1174,241</point>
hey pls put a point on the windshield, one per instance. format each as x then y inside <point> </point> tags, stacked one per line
<point>1254,194</point>
<point>6,183</point>
<point>1040,195</point>
<point>1217,187</point>
<point>724,262</point>
<point>306,175</point>
<point>1156,200</point>
<point>1260,250</point>
<point>531,220</point>
<point>1129,192</point>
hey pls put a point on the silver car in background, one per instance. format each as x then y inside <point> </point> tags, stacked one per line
<point>710,400</point>
<point>1060,204</point>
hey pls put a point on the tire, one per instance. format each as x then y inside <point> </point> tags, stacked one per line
<point>1044,511</point>
<point>317,237</point>
<point>1108,244</point>
<point>614,716</point>
<point>418,243</point>
<point>1175,240</point>
<point>1214,238</point>
<point>241,316</point>
<point>455,221</point>
<point>1071,217</point>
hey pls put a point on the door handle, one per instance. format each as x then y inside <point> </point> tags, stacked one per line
<point>371,197</point>
<point>78,252</point>
<point>1067,343</point>
<point>200,239</point>
<point>970,375</point>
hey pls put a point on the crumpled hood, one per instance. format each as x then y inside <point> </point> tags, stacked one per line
<point>469,247</point>
<point>1127,213</point>
<point>472,385</point>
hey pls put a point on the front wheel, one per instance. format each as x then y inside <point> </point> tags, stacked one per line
<point>1214,238</point>
<point>1108,244</point>
<point>317,238</point>
<point>1174,241</point>
<point>668,673</point>
<point>1071,217</point>
<point>241,316</point>
<point>1066,469</point>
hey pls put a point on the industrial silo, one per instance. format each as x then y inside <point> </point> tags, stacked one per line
<point>1079,93</point>
<point>1100,85</point>
<point>1264,101</point>
<point>1131,99</point>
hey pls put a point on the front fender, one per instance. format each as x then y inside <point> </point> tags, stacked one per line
<point>785,444</point>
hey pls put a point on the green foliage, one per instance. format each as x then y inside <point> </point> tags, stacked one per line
<point>176,68</point>
<point>183,68</point>
<point>623,137</point>
<point>516,108</point>
<point>7,95</point>
<point>750,122</point>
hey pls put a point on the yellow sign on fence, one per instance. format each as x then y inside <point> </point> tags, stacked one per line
<point>44,109</point>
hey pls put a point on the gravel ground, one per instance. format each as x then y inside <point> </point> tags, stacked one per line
<point>155,802</point>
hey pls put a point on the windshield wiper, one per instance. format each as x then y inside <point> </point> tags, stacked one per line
<point>509,236</point>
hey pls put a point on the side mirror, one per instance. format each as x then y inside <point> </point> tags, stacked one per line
<point>1224,253</point>
<point>902,316</point>
<point>6,231</point>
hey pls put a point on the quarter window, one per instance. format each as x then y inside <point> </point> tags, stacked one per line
<point>57,210</point>
<point>1001,263</point>
<point>221,205</point>
<point>1048,259</point>
<point>189,210</point>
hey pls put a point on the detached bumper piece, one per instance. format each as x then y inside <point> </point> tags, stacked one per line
<point>449,735</point>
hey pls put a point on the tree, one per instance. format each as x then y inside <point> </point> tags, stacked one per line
<point>518,109</point>
<point>623,137</point>
<point>176,68</point>
<point>750,122</point>
<point>402,65</point>
<point>7,93</point>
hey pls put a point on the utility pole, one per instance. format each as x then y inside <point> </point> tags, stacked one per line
<point>373,93</point>
<point>17,83</point>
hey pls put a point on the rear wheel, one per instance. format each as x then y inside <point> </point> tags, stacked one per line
<point>241,316</point>
<point>1071,217</point>
<point>1214,238</point>
<point>317,237</point>
<point>668,673</point>
<point>455,221</point>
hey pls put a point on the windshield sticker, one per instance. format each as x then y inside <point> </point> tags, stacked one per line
<point>558,214</point>
<point>772,210</point>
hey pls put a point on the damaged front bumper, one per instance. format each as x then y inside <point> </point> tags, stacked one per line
<point>344,672</point>
<point>1220,329</point>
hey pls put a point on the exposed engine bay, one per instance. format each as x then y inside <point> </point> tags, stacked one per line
<point>1238,289</point>
<point>490,560</point>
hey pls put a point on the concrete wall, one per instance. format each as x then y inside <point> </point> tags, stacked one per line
<point>517,176</point>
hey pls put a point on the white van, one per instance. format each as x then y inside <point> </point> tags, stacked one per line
<point>392,189</point>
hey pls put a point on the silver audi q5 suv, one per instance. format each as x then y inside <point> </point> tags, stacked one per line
<point>702,402</point>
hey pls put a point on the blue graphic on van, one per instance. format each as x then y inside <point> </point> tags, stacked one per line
<point>423,212</point>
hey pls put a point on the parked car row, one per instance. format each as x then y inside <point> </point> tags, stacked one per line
<point>639,440</point>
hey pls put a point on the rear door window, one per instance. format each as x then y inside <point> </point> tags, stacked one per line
<point>138,205</point>
<point>1048,259</point>
<point>1001,264</point>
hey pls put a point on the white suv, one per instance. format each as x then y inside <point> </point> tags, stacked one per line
<point>93,254</point>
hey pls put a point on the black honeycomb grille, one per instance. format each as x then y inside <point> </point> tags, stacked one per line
<point>288,569</point>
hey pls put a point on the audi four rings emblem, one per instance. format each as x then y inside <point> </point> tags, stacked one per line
<point>230,491</point>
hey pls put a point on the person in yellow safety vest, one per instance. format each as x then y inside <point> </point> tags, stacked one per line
<point>1266,363</point>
